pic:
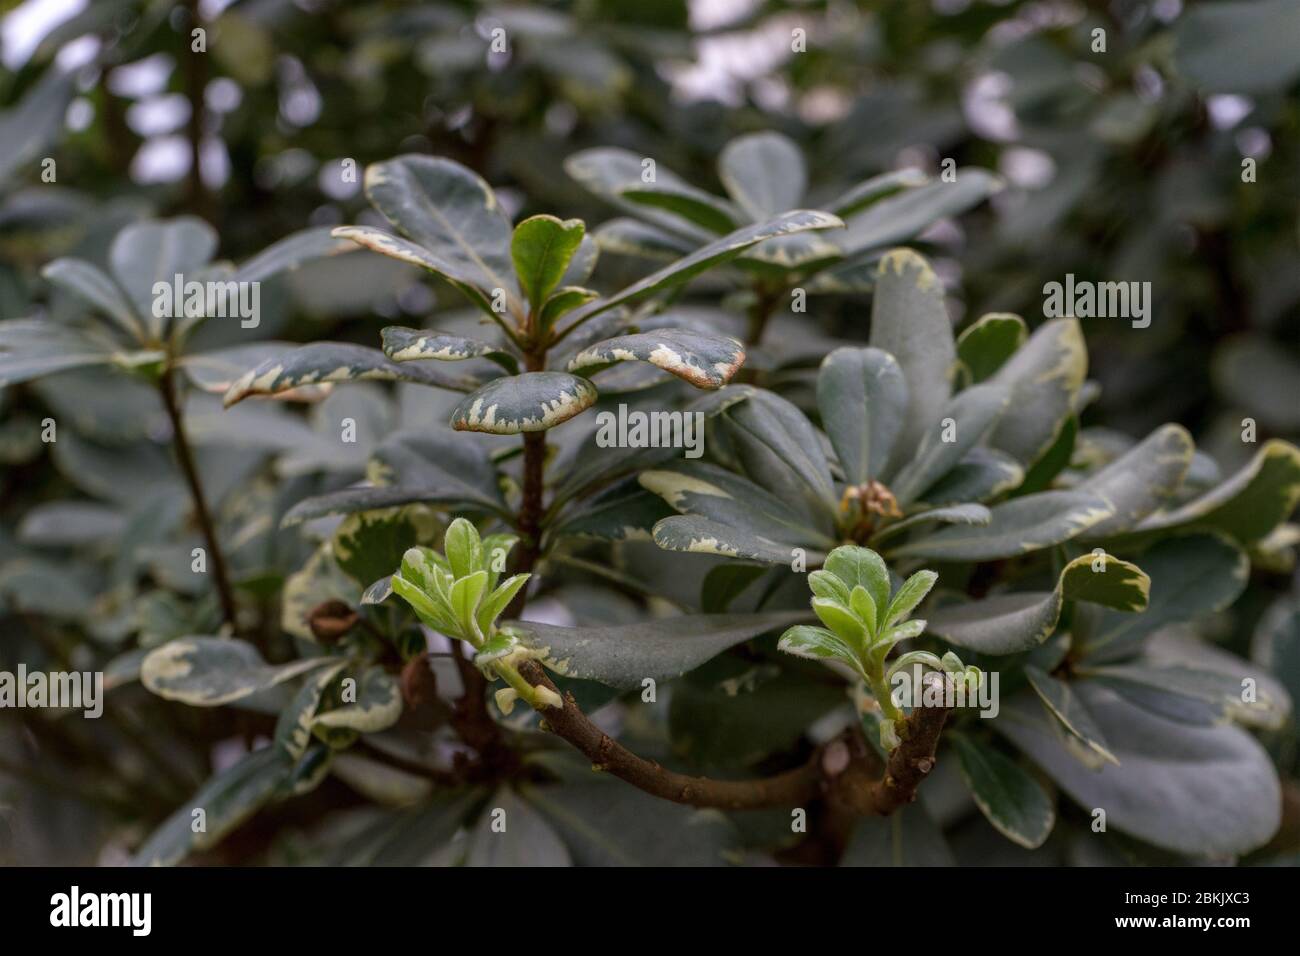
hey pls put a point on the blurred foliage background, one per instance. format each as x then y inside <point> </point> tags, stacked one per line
<point>1163,148</point>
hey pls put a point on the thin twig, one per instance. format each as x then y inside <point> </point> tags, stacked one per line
<point>839,772</point>
<point>180,441</point>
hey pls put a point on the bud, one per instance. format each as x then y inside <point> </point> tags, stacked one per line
<point>330,620</point>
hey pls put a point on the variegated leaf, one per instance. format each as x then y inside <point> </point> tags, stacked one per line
<point>395,247</point>
<point>715,253</point>
<point>699,535</point>
<point>1246,507</point>
<point>984,474</point>
<point>708,491</point>
<point>704,360</point>
<point>227,800</point>
<point>1019,526</point>
<point>408,345</point>
<point>532,402</point>
<point>210,671</point>
<point>985,346</point>
<point>451,212</point>
<point>1141,480</point>
<point>329,362</point>
<point>966,419</point>
<point>910,321</point>
<point>1045,377</point>
<point>377,705</point>
<point>1007,623</point>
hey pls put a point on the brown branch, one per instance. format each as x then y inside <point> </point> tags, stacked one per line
<point>180,442</point>
<point>840,772</point>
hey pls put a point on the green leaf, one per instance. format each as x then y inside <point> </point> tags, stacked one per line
<point>541,248</point>
<point>909,595</point>
<point>827,585</point>
<point>210,671</point>
<point>1246,507</point>
<point>1191,576</point>
<point>964,421</point>
<point>496,602</point>
<point>451,212</point>
<point>1011,799</point>
<point>626,654</point>
<point>429,606</point>
<point>841,620</point>
<point>1019,526</point>
<point>378,705</point>
<point>407,345</point>
<point>1008,623</point>
<point>702,259</point>
<point>227,800</point>
<point>863,606</point>
<point>1203,791</point>
<point>818,644</point>
<point>764,173</point>
<point>157,250</point>
<point>862,397</point>
<point>93,287</point>
<point>1044,377</point>
<point>704,360</point>
<point>532,402</point>
<point>465,596</point>
<point>985,346</point>
<point>861,566</point>
<point>1140,480</point>
<point>910,321</point>
<point>563,301</point>
<point>324,362</point>
<point>463,547</point>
